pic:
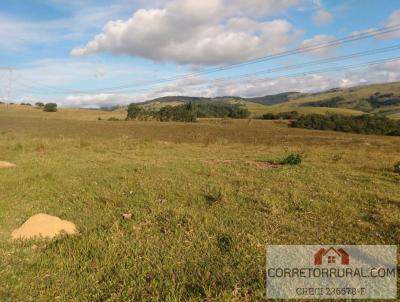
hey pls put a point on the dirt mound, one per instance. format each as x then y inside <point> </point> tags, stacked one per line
<point>43,225</point>
<point>6,164</point>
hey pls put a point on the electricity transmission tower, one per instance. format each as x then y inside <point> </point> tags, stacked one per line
<point>10,71</point>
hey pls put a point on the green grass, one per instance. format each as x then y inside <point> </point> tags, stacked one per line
<point>203,208</point>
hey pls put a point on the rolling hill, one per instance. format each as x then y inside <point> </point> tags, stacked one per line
<point>375,99</point>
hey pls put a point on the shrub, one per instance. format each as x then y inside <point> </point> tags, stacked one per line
<point>364,124</point>
<point>39,104</point>
<point>214,195</point>
<point>224,243</point>
<point>397,168</point>
<point>113,119</point>
<point>50,107</point>
<point>292,160</point>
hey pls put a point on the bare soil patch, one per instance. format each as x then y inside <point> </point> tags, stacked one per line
<point>265,164</point>
<point>6,164</point>
<point>258,164</point>
<point>45,226</point>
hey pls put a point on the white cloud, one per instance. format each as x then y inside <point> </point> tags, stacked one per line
<point>316,41</point>
<point>94,101</point>
<point>259,7</point>
<point>28,99</point>
<point>322,17</point>
<point>52,79</point>
<point>393,20</point>
<point>196,86</point>
<point>369,31</point>
<point>196,32</point>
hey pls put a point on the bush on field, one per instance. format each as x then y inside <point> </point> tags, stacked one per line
<point>113,119</point>
<point>292,160</point>
<point>364,124</point>
<point>39,104</point>
<point>224,243</point>
<point>397,168</point>
<point>50,107</point>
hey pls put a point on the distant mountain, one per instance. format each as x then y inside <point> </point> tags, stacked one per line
<point>265,100</point>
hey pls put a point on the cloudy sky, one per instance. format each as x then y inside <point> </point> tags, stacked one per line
<point>90,53</point>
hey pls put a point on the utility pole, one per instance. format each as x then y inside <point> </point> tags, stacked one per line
<point>10,71</point>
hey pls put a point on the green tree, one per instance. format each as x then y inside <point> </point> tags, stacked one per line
<point>134,112</point>
<point>50,107</point>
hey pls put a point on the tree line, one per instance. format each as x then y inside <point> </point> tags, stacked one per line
<point>363,124</point>
<point>189,112</point>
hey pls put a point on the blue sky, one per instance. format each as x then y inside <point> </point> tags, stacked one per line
<point>77,52</point>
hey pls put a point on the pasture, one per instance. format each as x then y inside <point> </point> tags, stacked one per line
<point>206,198</point>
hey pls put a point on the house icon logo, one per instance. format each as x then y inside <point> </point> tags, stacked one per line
<point>331,256</point>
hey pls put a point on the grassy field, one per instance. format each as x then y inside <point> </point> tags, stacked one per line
<point>203,199</point>
<point>23,112</point>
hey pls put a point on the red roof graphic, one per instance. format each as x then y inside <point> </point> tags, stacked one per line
<point>318,256</point>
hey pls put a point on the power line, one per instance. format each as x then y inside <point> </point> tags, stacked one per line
<point>320,71</point>
<point>307,64</point>
<point>317,71</point>
<point>312,72</point>
<point>300,50</point>
<point>338,68</point>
